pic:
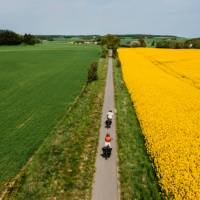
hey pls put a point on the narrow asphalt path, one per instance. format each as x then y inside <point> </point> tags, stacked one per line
<point>105,184</point>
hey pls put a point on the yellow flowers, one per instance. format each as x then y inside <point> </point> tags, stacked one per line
<point>165,87</point>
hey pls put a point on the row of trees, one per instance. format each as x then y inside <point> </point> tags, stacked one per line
<point>193,43</point>
<point>11,38</point>
<point>179,44</point>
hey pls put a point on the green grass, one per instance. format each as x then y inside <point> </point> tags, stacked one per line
<point>37,85</point>
<point>64,165</point>
<point>137,177</point>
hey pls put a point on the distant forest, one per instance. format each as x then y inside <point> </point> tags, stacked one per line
<point>8,37</point>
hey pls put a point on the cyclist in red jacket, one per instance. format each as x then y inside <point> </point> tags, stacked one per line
<point>108,140</point>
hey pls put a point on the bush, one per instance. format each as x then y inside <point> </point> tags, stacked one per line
<point>104,52</point>
<point>162,44</point>
<point>114,53</point>
<point>30,39</point>
<point>142,42</point>
<point>118,62</point>
<point>10,38</point>
<point>92,72</point>
<point>153,43</point>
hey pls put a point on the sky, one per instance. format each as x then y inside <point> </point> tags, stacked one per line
<point>75,17</point>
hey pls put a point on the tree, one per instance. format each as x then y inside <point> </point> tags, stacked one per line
<point>92,72</point>
<point>142,42</point>
<point>162,44</point>
<point>30,39</point>
<point>111,42</point>
<point>104,52</point>
<point>10,38</point>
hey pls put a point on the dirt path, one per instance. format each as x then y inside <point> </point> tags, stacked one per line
<point>105,185</point>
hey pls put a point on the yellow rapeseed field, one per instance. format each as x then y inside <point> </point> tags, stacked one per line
<point>165,87</point>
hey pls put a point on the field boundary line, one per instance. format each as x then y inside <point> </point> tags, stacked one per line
<point>117,158</point>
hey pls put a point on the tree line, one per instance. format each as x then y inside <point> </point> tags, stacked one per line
<point>172,42</point>
<point>179,44</point>
<point>8,37</point>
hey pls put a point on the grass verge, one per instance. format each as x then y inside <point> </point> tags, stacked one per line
<point>137,177</point>
<point>64,165</point>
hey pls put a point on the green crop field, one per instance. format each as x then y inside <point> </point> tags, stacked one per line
<point>37,85</point>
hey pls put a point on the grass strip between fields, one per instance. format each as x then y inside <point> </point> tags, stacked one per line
<point>137,177</point>
<point>64,165</point>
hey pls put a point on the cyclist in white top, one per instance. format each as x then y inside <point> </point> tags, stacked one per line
<point>110,115</point>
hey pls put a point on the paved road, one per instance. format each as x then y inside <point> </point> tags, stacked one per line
<point>105,184</point>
